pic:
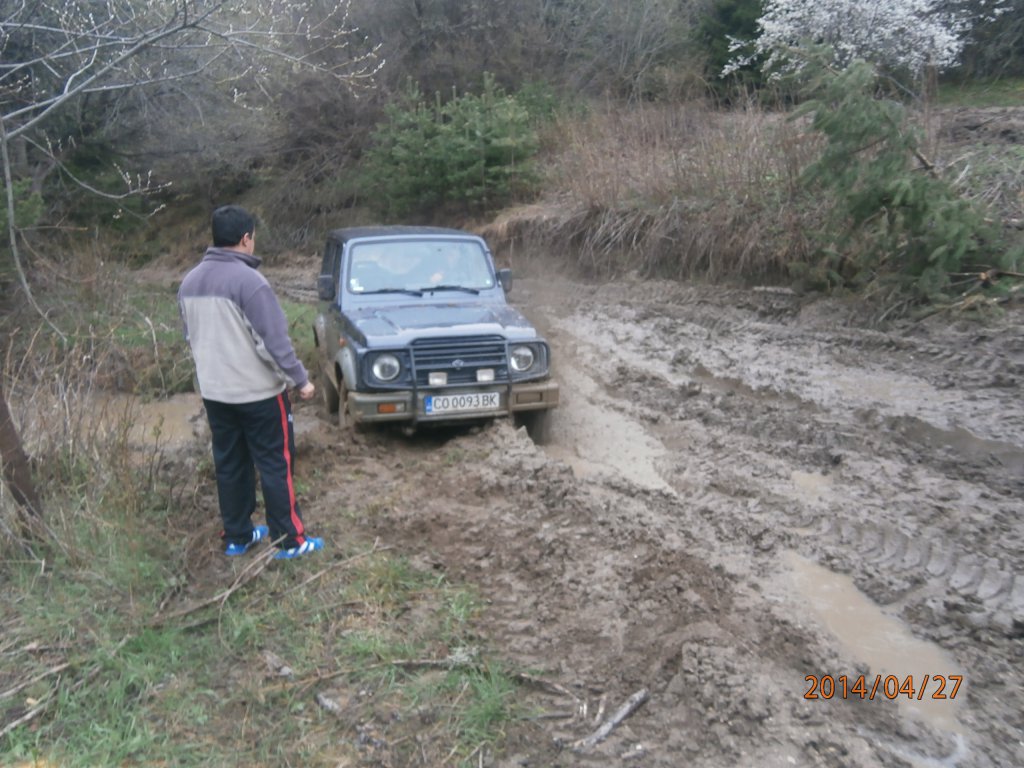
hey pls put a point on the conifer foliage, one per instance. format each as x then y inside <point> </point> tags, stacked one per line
<point>894,218</point>
<point>473,152</point>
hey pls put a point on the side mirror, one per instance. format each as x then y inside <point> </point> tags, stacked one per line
<point>505,278</point>
<point>325,288</point>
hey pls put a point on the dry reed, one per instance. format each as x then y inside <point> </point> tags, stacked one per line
<point>674,191</point>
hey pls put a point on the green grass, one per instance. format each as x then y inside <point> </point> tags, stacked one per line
<point>1005,92</point>
<point>131,334</point>
<point>177,695</point>
<point>196,691</point>
<point>300,324</point>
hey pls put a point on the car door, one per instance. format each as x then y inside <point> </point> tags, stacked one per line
<point>328,320</point>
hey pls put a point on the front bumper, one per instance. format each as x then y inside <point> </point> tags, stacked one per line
<point>409,405</point>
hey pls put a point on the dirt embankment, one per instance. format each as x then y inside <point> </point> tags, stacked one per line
<point>744,492</point>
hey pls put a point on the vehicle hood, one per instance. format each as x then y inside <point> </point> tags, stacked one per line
<point>403,323</point>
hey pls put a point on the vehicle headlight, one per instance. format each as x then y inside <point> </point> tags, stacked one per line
<point>521,358</point>
<point>386,367</point>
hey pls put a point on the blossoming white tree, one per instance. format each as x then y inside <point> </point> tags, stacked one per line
<point>897,35</point>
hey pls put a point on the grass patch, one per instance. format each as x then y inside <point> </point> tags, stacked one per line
<point>124,335</point>
<point>98,682</point>
<point>384,643</point>
<point>301,316</point>
<point>682,191</point>
<point>93,680</point>
<point>673,191</point>
<point>1004,92</point>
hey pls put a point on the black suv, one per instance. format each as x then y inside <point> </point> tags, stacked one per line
<point>414,328</point>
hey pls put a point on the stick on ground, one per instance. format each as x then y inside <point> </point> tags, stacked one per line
<point>627,709</point>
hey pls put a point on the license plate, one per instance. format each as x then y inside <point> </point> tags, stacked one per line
<point>470,401</point>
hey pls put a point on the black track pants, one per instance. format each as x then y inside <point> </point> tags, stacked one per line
<point>248,437</point>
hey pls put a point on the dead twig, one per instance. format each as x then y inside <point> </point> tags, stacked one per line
<point>321,677</point>
<point>42,705</point>
<point>552,716</point>
<point>627,709</point>
<point>36,679</point>
<point>342,564</point>
<point>28,716</point>
<point>448,663</point>
<point>544,685</point>
<point>247,574</point>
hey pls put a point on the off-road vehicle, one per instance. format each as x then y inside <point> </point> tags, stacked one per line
<point>414,328</point>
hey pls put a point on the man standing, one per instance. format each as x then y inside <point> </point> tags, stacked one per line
<point>245,363</point>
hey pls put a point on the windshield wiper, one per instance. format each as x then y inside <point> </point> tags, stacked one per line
<point>409,291</point>
<point>467,289</point>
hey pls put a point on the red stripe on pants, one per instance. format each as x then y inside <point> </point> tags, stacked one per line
<point>296,520</point>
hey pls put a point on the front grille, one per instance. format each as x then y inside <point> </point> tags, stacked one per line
<point>460,358</point>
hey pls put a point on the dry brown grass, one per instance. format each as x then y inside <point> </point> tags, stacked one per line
<point>685,191</point>
<point>73,392</point>
<point>675,191</point>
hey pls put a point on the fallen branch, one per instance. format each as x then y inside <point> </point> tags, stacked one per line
<point>36,679</point>
<point>28,716</point>
<point>247,574</point>
<point>544,685</point>
<point>342,564</point>
<point>627,709</point>
<point>42,705</point>
<point>448,663</point>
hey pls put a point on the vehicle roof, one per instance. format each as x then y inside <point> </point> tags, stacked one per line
<point>356,233</point>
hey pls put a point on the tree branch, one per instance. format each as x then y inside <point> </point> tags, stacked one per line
<point>12,228</point>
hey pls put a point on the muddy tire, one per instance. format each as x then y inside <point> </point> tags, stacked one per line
<point>328,398</point>
<point>345,421</point>
<point>537,423</point>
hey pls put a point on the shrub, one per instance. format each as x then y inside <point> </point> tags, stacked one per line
<point>723,21</point>
<point>473,151</point>
<point>892,212</point>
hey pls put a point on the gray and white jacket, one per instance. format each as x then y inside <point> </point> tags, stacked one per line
<point>237,330</point>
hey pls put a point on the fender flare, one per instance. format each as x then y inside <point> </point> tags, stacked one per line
<point>345,363</point>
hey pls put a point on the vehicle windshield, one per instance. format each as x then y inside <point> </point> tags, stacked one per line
<point>389,267</point>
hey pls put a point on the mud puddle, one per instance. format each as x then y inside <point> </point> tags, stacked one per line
<point>109,417</point>
<point>882,642</point>
<point>878,474</point>
<point>593,436</point>
<point>963,443</point>
<point>171,423</point>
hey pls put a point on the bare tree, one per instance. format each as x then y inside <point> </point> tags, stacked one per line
<point>59,59</point>
<point>16,471</point>
<point>615,47</point>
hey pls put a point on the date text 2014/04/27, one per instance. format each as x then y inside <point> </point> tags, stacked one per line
<point>888,686</point>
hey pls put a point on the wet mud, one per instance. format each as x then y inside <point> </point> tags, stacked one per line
<point>744,492</point>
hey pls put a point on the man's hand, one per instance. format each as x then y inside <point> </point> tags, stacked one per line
<point>307,390</point>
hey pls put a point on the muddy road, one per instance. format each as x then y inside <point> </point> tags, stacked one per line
<point>748,499</point>
<point>745,489</point>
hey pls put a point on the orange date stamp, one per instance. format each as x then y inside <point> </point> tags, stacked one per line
<point>914,687</point>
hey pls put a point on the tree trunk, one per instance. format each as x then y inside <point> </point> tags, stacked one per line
<point>16,471</point>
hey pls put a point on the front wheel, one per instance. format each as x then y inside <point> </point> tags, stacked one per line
<point>345,420</point>
<point>328,397</point>
<point>537,423</point>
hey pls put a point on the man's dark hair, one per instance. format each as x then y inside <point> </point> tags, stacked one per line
<point>230,223</point>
